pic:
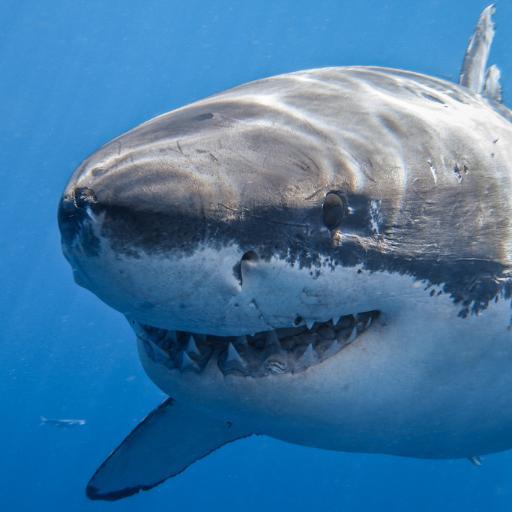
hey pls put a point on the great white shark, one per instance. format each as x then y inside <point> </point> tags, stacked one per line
<point>323,257</point>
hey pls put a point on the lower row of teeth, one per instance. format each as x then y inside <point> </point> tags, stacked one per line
<point>271,353</point>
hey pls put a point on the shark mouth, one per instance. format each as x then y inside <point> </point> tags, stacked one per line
<point>276,352</point>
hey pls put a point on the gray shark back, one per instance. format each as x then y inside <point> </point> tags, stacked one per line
<point>422,148</point>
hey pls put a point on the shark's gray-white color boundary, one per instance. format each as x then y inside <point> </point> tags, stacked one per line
<point>323,257</point>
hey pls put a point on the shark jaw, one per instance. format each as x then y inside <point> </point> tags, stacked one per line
<point>276,352</point>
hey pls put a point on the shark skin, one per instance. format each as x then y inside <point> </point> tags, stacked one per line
<point>323,257</point>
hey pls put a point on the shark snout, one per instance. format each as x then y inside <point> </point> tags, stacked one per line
<point>76,208</point>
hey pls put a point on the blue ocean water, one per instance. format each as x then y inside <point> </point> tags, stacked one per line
<point>74,74</point>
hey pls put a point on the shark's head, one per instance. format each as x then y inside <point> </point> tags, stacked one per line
<point>241,219</point>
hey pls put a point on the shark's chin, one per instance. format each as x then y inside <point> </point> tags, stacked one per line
<point>277,352</point>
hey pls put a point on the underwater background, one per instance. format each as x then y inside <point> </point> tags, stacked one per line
<point>73,75</point>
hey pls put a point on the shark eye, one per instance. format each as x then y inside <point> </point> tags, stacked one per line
<point>333,210</point>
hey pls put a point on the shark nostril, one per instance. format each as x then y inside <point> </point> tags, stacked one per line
<point>76,211</point>
<point>249,256</point>
<point>84,197</point>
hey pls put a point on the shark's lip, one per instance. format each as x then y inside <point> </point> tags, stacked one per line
<point>276,352</point>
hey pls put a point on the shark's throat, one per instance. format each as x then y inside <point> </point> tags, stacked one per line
<point>280,351</point>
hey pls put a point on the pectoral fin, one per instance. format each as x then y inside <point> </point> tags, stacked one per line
<point>163,445</point>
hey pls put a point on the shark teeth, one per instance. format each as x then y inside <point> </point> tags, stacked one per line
<point>275,352</point>
<point>172,336</point>
<point>186,364</point>
<point>272,339</point>
<point>242,341</point>
<point>363,321</point>
<point>232,362</point>
<point>159,355</point>
<point>191,347</point>
<point>232,356</point>
<point>333,349</point>
<point>308,358</point>
<point>353,335</point>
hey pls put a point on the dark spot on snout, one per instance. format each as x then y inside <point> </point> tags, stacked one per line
<point>250,256</point>
<point>433,98</point>
<point>99,171</point>
<point>203,117</point>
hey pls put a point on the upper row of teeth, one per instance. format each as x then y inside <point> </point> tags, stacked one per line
<point>238,357</point>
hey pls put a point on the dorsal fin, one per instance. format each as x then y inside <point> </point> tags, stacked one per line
<point>492,87</point>
<point>475,60</point>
